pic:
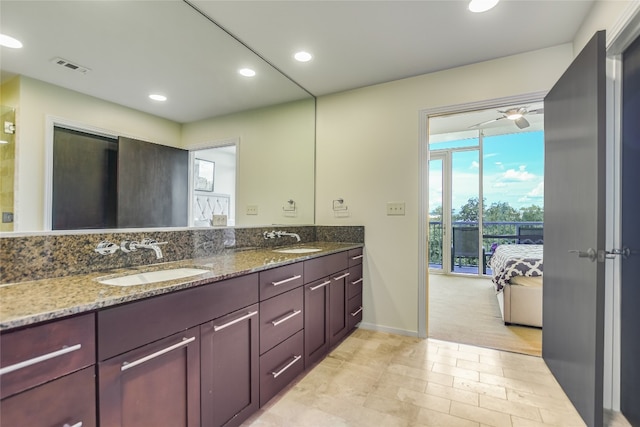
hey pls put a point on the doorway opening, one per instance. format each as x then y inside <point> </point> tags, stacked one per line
<point>485,190</point>
<point>213,187</point>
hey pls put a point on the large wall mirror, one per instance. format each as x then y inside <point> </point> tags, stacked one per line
<point>92,65</point>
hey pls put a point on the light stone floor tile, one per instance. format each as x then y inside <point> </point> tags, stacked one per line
<point>378,379</point>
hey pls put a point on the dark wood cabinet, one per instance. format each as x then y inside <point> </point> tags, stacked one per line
<point>280,365</point>
<point>338,326</point>
<point>316,320</point>
<point>229,361</point>
<point>67,401</point>
<point>280,317</point>
<point>54,363</point>
<point>154,385</point>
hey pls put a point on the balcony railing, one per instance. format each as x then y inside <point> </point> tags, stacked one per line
<point>494,233</point>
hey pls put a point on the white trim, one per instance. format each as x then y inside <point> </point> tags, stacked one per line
<point>50,123</point>
<point>423,135</point>
<point>387,329</point>
<point>619,38</point>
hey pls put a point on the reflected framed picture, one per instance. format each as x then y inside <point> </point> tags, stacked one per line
<point>203,173</point>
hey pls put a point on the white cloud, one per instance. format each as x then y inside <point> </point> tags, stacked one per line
<point>538,191</point>
<point>499,185</point>
<point>512,175</point>
<point>474,165</point>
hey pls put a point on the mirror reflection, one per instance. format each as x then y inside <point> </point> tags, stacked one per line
<point>126,51</point>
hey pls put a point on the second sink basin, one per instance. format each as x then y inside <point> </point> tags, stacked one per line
<point>297,250</point>
<point>152,277</point>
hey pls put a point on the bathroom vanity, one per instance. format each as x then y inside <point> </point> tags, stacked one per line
<point>207,350</point>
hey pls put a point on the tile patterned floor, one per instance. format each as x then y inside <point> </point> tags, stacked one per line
<point>379,379</point>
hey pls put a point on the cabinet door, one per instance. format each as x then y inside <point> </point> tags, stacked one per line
<point>316,320</point>
<point>338,307</point>
<point>155,385</point>
<point>67,401</point>
<point>229,364</point>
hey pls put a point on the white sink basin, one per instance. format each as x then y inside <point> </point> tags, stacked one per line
<point>297,250</point>
<point>152,277</point>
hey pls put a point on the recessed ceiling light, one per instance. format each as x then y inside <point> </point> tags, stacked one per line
<point>303,56</point>
<point>482,5</point>
<point>157,97</point>
<point>247,72</point>
<point>8,41</point>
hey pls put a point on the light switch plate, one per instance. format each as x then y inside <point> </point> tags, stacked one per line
<point>252,209</point>
<point>395,208</point>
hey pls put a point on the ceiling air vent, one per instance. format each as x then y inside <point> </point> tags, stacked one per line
<point>70,65</point>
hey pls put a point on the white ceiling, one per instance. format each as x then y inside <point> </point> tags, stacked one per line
<point>135,47</point>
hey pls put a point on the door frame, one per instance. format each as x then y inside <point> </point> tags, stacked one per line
<point>445,158</point>
<point>619,37</point>
<point>423,167</point>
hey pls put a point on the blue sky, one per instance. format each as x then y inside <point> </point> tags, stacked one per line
<point>513,172</point>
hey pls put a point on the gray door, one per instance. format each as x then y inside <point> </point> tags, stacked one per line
<point>573,298</point>
<point>630,288</point>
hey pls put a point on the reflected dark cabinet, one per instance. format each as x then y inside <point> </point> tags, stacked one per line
<point>156,384</point>
<point>101,182</point>
<point>153,184</point>
<point>229,363</point>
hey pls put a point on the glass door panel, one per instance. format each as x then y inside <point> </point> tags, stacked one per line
<point>466,256</point>
<point>436,192</point>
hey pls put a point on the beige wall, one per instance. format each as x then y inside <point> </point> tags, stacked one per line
<point>265,180</point>
<point>39,100</point>
<point>368,154</point>
<point>604,15</point>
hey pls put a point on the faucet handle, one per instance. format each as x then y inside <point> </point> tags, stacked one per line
<point>129,245</point>
<point>106,248</point>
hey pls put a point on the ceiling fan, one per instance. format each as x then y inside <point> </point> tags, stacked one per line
<point>515,114</point>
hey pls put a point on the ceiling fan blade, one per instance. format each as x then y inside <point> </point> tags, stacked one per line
<point>537,111</point>
<point>487,122</point>
<point>522,123</point>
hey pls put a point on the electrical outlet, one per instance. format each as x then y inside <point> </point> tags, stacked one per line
<point>252,209</point>
<point>7,217</point>
<point>395,208</point>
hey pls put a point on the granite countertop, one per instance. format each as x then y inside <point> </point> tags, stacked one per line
<point>31,302</point>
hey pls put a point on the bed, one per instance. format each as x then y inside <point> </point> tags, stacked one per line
<point>517,277</point>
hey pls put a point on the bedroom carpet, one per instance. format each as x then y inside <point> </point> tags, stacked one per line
<point>466,310</point>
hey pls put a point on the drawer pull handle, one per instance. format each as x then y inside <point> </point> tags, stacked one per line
<point>217,328</point>
<point>342,276</point>
<point>355,313</point>
<point>290,279</point>
<point>355,282</point>
<point>78,424</point>
<point>185,341</point>
<point>38,359</point>
<point>321,285</point>
<point>357,257</point>
<point>287,317</point>
<point>287,366</point>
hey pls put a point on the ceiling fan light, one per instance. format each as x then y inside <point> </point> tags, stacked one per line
<point>514,116</point>
<point>482,5</point>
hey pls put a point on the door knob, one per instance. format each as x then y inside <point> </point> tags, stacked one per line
<point>589,253</point>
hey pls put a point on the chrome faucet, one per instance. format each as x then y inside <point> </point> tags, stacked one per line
<point>132,246</point>
<point>274,234</point>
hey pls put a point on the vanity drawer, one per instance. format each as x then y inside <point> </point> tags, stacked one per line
<point>318,268</point>
<point>280,279</point>
<point>354,311</point>
<point>128,326</point>
<point>280,366</point>
<point>355,256</point>
<point>354,281</point>
<point>41,353</point>
<point>67,401</point>
<point>280,317</point>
